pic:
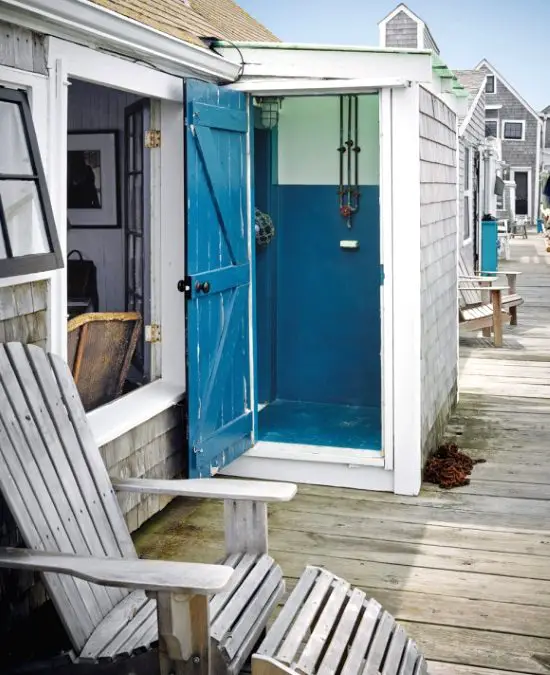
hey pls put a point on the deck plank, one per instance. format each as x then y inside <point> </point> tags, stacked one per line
<point>467,570</point>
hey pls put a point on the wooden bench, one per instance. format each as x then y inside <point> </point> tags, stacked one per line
<point>510,298</point>
<point>206,618</point>
<point>326,627</point>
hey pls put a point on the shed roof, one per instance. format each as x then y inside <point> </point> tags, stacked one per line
<point>191,20</point>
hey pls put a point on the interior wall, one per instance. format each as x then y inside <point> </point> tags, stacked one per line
<point>93,107</point>
<point>320,340</point>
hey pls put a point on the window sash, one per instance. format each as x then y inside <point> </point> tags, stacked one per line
<point>16,265</point>
<point>490,84</point>
<point>512,131</point>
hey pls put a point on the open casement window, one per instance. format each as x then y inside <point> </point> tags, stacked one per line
<point>491,128</point>
<point>28,237</point>
<point>468,202</point>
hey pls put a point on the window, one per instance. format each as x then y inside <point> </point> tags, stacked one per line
<point>467,203</point>
<point>491,128</point>
<point>513,130</point>
<point>28,237</point>
<point>490,85</point>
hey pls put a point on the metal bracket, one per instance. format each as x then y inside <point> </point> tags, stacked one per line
<point>152,333</point>
<point>152,138</point>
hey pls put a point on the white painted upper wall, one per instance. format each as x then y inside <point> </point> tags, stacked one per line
<point>309,138</point>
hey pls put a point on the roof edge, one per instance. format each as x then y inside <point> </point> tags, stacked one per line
<point>488,64</point>
<point>94,25</point>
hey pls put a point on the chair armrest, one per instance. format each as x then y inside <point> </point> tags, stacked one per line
<point>210,488</point>
<point>477,277</point>
<point>147,575</point>
<point>489,288</point>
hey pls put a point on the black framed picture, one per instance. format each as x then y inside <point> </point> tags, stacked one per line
<point>93,198</point>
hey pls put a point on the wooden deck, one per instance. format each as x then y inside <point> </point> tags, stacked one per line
<point>466,571</point>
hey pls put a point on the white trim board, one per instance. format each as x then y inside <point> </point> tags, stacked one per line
<point>316,453</point>
<point>505,82</point>
<point>320,473</point>
<point>115,419</point>
<point>471,110</point>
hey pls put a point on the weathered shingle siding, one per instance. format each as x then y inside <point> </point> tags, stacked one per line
<point>429,42</point>
<point>23,49</point>
<point>438,241</point>
<point>516,153</point>
<point>473,136</point>
<point>401,31</point>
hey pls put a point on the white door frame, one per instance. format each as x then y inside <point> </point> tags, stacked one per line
<point>529,171</point>
<point>66,60</point>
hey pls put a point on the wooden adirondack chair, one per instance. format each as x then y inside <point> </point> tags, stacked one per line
<point>510,299</point>
<point>207,618</point>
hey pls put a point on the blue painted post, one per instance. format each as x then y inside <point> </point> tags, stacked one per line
<point>489,246</point>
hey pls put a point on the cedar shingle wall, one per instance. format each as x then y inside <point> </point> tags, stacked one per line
<point>438,240</point>
<point>401,31</point>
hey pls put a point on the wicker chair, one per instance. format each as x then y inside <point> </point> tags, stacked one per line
<point>100,350</point>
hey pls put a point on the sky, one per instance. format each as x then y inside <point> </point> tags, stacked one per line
<point>512,34</point>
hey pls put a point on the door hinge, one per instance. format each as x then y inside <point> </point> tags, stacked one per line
<point>152,138</point>
<point>152,333</point>
<point>382,275</point>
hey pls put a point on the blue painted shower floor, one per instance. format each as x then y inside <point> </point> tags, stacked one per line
<point>332,425</point>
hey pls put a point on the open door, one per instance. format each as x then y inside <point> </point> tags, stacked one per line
<point>219,355</point>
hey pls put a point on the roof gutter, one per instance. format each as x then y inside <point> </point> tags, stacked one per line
<point>90,24</point>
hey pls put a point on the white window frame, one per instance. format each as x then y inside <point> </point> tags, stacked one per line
<point>468,195</point>
<point>503,126</point>
<point>491,93</point>
<point>68,60</point>
<point>497,135</point>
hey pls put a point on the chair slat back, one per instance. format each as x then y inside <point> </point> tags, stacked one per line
<point>54,480</point>
<point>467,297</point>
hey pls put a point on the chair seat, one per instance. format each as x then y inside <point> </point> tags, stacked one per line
<point>513,300</point>
<point>236,615</point>
<point>326,627</point>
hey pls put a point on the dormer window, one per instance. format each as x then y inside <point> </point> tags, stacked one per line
<point>28,237</point>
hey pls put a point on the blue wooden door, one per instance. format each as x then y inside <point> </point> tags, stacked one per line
<point>218,245</point>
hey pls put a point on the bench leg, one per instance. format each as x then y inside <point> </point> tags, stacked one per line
<point>513,316</point>
<point>486,332</point>
<point>496,299</point>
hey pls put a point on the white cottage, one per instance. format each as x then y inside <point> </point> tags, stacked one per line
<point>329,354</point>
